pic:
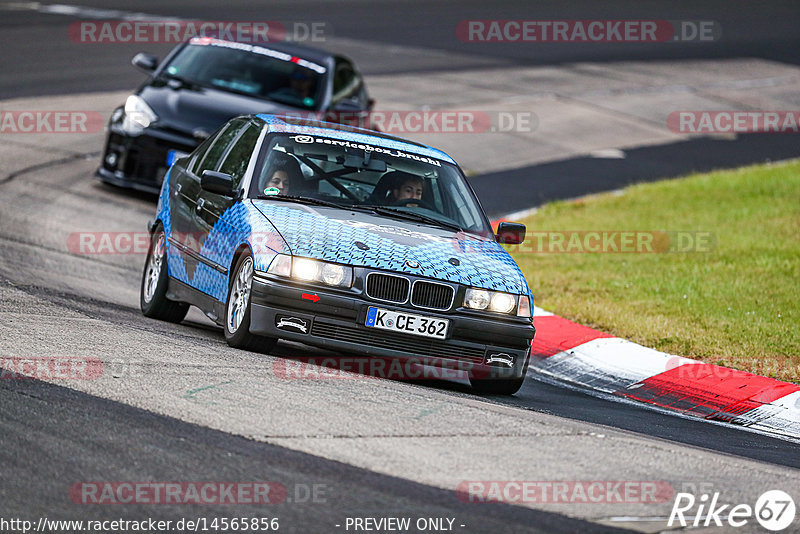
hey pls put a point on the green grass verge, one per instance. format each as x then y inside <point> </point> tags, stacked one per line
<point>735,305</point>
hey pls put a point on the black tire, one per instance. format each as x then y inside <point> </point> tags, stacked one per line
<point>496,386</point>
<point>153,291</point>
<point>237,310</point>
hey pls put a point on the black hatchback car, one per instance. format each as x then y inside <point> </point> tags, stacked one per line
<point>203,83</point>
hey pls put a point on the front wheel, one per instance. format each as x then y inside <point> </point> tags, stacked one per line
<point>153,293</point>
<point>237,310</point>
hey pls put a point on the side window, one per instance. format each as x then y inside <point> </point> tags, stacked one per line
<point>238,157</point>
<point>346,81</point>
<point>362,97</point>
<point>212,157</point>
<point>200,152</point>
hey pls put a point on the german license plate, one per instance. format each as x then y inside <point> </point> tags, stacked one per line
<point>407,323</point>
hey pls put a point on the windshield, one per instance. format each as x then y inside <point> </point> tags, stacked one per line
<point>390,182</point>
<point>250,70</point>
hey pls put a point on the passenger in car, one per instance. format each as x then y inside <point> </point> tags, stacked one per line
<point>283,174</point>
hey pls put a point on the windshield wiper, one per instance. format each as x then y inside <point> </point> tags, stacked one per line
<point>381,210</point>
<point>412,216</point>
<point>185,82</point>
<point>312,201</point>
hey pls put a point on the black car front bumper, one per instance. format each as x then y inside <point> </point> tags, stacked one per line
<point>140,161</point>
<point>337,321</point>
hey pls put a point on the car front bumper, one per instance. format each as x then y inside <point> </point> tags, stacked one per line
<point>140,161</point>
<point>337,320</point>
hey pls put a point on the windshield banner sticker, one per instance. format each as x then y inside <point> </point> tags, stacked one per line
<point>203,41</point>
<point>307,139</point>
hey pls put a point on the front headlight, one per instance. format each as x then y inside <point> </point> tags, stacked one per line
<point>308,270</point>
<point>138,115</point>
<point>502,302</point>
<point>495,301</point>
<point>477,299</point>
<point>305,270</point>
<point>333,274</point>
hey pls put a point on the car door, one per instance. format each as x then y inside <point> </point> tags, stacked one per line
<point>186,237</point>
<point>184,189</point>
<point>222,232</point>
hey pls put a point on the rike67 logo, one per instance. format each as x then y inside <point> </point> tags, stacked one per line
<point>774,510</point>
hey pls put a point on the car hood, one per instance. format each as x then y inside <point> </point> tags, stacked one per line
<point>188,109</point>
<point>367,240</point>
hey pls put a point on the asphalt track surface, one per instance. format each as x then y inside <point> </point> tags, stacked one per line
<point>55,435</point>
<point>516,190</point>
<point>146,446</point>
<point>35,63</point>
<point>422,32</point>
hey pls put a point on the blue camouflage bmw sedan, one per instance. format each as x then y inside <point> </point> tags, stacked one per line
<point>343,238</point>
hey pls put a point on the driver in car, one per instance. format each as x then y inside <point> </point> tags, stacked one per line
<point>407,189</point>
<point>300,90</point>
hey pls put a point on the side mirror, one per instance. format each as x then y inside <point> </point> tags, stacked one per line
<point>510,233</point>
<point>217,182</point>
<point>145,62</point>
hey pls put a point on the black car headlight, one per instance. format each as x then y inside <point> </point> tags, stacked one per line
<point>138,115</point>
<point>497,301</point>
<point>308,270</point>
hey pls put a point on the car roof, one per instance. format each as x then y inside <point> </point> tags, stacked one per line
<point>302,125</point>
